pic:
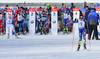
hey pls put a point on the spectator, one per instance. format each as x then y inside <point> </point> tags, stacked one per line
<point>85,4</point>
<point>98,18</point>
<point>55,6</point>
<point>87,23</point>
<point>80,13</point>
<point>93,21</point>
<point>49,7</point>
<point>72,5</point>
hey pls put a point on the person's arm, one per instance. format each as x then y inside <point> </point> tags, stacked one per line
<point>75,21</point>
<point>86,15</point>
<point>50,8</point>
<point>23,16</point>
<point>97,18</point>
<point>88,18</point>
<point>80,13</point>
<point>98,15</point>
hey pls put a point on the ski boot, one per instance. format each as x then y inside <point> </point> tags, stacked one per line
<point>64,33</point>
<point>78,48</point>
<point>23,32</point>
<point>19,33</point>
<point>41,33</point>
<point>8,36</point>
<point>1,33</point>
<point>45,32</point>
<point>17,36</point>
<point>84,46</point>
<point>88,37</point>
<point>67,32</point>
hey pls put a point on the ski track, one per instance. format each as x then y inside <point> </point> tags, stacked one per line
<point>46,47</point>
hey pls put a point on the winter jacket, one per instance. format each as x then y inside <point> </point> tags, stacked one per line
<point>80,13</point>
<point>93,17</point>
<point>87,13</point>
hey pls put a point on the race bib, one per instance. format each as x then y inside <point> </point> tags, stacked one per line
<point>81,24</point>
<point>20,17</point>
<point>65,15</point>
<point>9,21</point>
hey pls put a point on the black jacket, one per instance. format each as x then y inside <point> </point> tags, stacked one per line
<point>87,13</point>
<point>80,13</point>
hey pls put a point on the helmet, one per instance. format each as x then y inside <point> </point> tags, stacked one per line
<point>55,6</point>
<point>9,14</point>
<point>81,17</point>
<point>26,11</point>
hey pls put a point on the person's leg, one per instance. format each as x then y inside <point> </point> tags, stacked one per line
<point>60,25</point>
<point>19,26</point>
<point>0,29</point>
<point>93,36</point>
<point>13,29</point>
<point>64,27</point>
<point>3,29</point>
<point>8,27</point>
<point>86,26</point>
<point>95,31</point>
<point>23,25</point>
<point>1,26</point>
<point>84,38</point>
<point>16,29</point>
<point>41,28</point>
<point>27,25</point>
<point>67,28</point>
<point>90,31</point>
<point>80,39</point>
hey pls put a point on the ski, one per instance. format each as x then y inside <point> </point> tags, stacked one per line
<point>82,50</point>
<point>85,50</point>
<point>18,38</point>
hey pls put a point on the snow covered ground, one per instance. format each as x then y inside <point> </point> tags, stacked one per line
<point>46,47</point>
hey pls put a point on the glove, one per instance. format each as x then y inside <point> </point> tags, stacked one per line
<point>75,19</point>
<point>97,23</point>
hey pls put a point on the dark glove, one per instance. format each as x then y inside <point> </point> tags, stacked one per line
<point>97,23</point>
<point>75,19</point>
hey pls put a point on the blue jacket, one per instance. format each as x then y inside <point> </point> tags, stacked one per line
<point>93,15</point>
